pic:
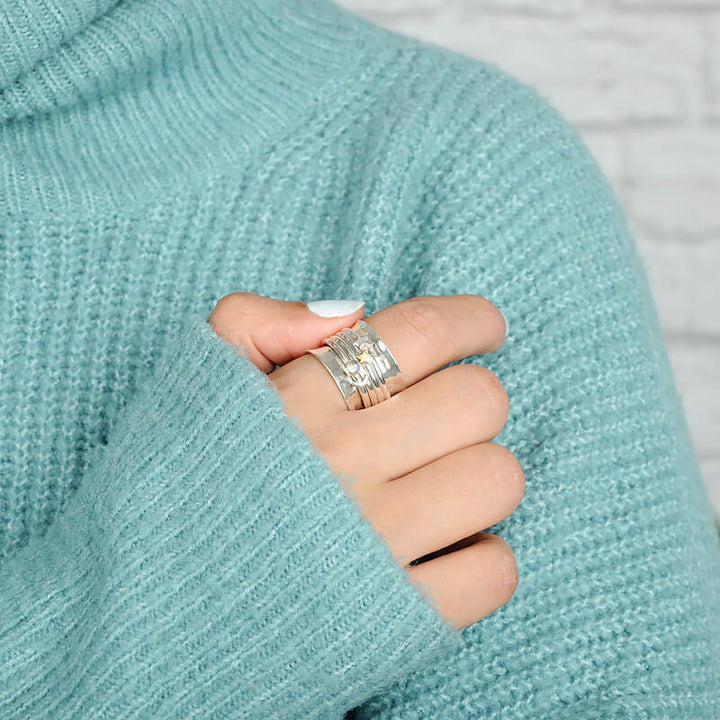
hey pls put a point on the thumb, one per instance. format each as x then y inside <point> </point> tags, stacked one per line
<point>272,332</point>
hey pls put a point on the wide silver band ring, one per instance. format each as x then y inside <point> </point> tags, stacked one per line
<point>361,365</point>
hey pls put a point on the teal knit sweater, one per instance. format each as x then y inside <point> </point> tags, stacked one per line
<point>171,544</point>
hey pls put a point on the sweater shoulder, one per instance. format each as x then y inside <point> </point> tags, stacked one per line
<point>508,185</point>
<point>490,144</point>
<point>473,112</point>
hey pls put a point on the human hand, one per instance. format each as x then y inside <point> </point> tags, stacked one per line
<point>420,464</point>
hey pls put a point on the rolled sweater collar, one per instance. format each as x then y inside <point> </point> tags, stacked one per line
<point>84,82</point>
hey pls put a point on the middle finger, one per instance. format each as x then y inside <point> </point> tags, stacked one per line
<point>423,333</point>
<point>454,407</point>
<point>426,333</point>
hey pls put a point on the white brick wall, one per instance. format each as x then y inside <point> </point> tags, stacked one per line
<point>640,80</point>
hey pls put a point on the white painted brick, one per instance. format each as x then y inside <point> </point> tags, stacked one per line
<point>674,153</point>
<point>586,103</point>
<point>696,367</point>
<point>607,148</point>
<point>669,209</point>
<point>528,7</point>
<point>684,279</point>
<point>710,470</point>
<point>597,67</point>
<point>713,68</point>
<point>678,5</point>
<point>673,182</point>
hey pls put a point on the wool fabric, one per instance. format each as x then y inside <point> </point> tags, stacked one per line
<point>172,545</point>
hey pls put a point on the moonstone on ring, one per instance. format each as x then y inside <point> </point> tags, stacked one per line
<point>361,365</point>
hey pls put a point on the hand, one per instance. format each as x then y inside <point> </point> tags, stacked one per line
<point>420,464</point>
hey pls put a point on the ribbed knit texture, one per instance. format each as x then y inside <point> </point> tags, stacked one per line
<point>171,543</point>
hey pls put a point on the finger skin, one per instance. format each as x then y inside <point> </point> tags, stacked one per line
<point>423,333</point>
<point>446,500</point>
<point>415,474</point>
<point>455,407</point>
<point>469,584</point>
<point>270,331</point>
<point>427,332</point>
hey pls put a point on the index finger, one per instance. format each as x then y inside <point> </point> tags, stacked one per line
<point>424,334</point>
<point>427,332</point>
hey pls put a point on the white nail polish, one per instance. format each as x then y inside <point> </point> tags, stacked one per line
<point>334,308</point>
<point>506,324</point>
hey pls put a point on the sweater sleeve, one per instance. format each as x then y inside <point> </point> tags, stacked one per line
<point>617,613</point>
<point>209,565</point>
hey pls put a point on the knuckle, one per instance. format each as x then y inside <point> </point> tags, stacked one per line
<point>235,303</point>
<point>498,322</point>
<point>480,381</point>
<point>231,313</point>
<point>511,471</point>
<point>326,438</point>
<point>425,318</point>
<point>505,569</point>
<point>493,321</point>
<point>337,441</point>
<point>496,391</point>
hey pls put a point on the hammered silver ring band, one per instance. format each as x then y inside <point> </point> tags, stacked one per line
<point>361,365</point>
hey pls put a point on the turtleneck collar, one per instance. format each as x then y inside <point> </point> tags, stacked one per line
<point>98,93</point>
<point>31,30</point>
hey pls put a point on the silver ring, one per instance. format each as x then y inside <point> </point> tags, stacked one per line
<point>361,365</point>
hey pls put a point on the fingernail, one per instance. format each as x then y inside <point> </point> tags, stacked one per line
<point>334,308</point>
<point>506,324</point>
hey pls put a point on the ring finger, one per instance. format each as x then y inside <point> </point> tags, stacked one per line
<point>454,407</point>
<point>446,500</point>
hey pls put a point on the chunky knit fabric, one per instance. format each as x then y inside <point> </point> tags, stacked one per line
<point>172,545</point>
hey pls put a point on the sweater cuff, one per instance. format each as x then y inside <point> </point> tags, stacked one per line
<point>232,528</point>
